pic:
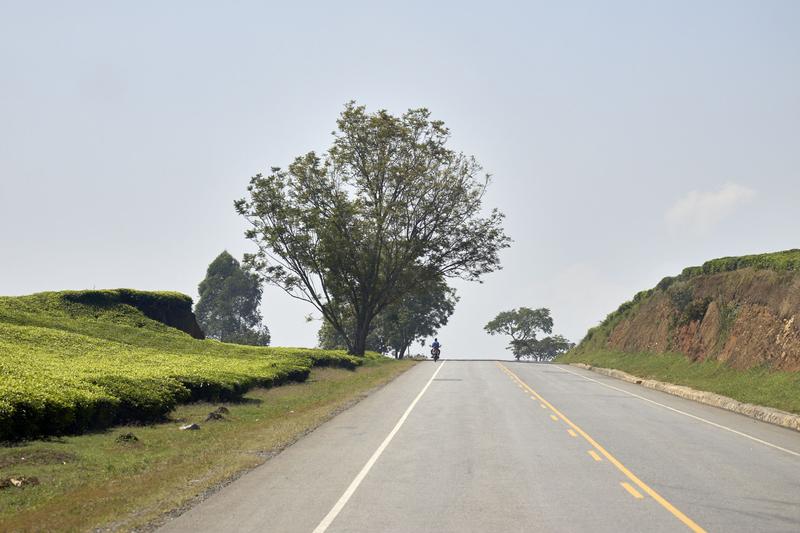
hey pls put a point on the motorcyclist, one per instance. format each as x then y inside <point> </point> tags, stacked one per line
<point>436,346</point>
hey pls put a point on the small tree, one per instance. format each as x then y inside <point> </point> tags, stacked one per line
<point>228,306</point>
<point>387,207</point>
<point>523,325</point>
<point>546,349</point>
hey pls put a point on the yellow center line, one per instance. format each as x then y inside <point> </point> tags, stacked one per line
<point>691,524</point>
<point>594,455</point>
<point>554,417</point>
<point>543,406</point>
<point>572,433</point>
<point>635,493</point>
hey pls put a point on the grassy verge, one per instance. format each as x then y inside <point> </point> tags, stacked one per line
<point>759,386</point>
<point>94,480</point>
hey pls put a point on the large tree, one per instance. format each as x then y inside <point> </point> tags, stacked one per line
<point>523,325</point>
<point>386,207</point>
<point>228,306</point>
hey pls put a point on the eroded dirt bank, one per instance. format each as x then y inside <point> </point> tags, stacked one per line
<point>746,317</point>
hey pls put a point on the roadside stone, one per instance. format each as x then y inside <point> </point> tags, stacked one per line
<point>190,427</point>
<point>223,410</point>
<point>215,415</point>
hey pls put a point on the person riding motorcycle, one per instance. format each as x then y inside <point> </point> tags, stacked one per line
<point>435,349</point>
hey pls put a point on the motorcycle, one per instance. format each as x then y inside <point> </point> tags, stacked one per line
<point>435,353</point>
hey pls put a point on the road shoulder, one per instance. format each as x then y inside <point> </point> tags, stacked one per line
<point>758,412</point>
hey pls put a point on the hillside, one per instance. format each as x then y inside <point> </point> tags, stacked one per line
<point>79,360</point>
<point>731,326</point>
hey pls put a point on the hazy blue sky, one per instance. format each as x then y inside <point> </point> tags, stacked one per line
<point>627,139</point>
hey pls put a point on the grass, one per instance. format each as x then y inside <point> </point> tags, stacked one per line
<point>759,386</point>
<point>93,480</point>
<point>77,361</point>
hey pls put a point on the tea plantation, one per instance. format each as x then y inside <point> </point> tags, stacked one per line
<point>81,360</point>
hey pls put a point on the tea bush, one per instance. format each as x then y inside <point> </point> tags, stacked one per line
<point>70,362</point>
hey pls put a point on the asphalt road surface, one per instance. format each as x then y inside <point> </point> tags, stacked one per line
<point>505,446</point>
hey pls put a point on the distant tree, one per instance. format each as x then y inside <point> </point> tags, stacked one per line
<point>546,349</point>
<point>228,306</point>
<point>387,207</point>
<point>523,325</point>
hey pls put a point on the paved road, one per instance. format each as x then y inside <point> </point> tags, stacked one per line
<point>486,446</point>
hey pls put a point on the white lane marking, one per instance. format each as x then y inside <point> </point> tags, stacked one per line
<point>337,508</point>
<point>701,419</point>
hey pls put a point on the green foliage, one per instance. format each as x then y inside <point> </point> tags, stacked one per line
<point>758,386</point>
<point>171,308</point>
<point>695,311</point>
<point>727,317</point>
<point>328,338</point>
<point>788,260</point>
<point>67,365</point>
<point>687,308</point>
<point>228,305</point>
<point>417,315</point>
<point>681,296</point>
<point>545,349</point>
<point>145,301</point>
<point>522,325</point>
<point>388,206</point>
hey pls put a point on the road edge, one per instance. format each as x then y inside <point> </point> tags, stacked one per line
<point>758,412</point>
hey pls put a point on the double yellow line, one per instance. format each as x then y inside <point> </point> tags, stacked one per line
<point>613,460</point>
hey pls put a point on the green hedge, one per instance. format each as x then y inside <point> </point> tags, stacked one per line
<point>71,364</point>
<point>171,308</point>
<point>788,260</point>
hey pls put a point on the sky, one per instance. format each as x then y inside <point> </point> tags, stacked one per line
<point>626,140</point>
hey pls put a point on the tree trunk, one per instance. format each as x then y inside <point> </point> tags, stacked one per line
<point>359,345</point>
<point>403,351</point>
<point>360,337</point>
